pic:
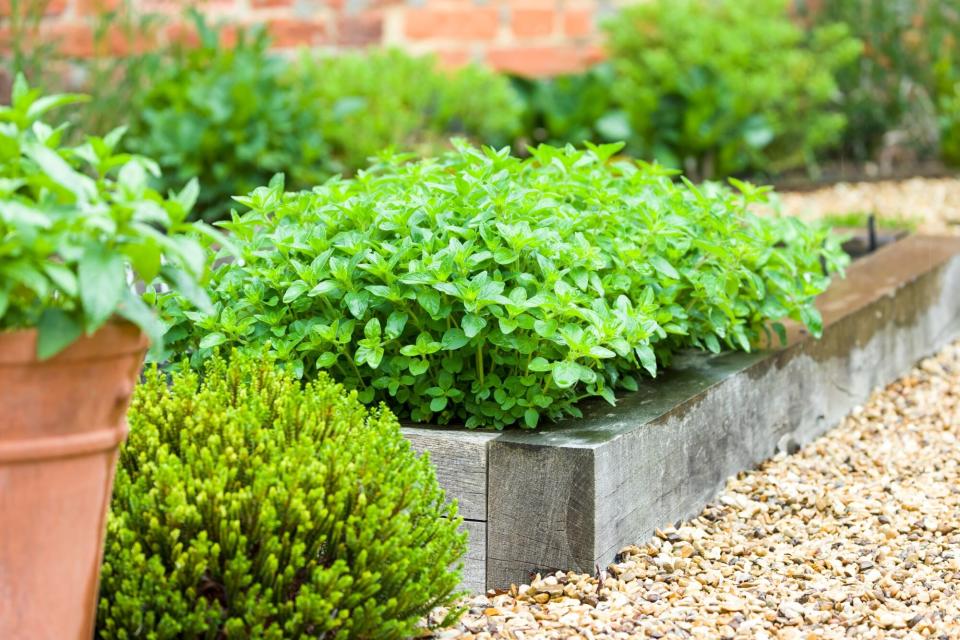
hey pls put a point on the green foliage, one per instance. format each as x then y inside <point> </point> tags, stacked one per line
<point>947,73</point>
<point>234,116</point>
<point>226,116</point>
<point>21,51</point>
<point>859,220</point>
<point>369,101</point>
<point>894,85</point>
<point>75,220</point>
<point>949,123</point>
<point>485,289</point>
<point>574,108</point>
<point>247,506</point>
<point>118,26</point>
<point>115,81</point>
<point>723,87</point>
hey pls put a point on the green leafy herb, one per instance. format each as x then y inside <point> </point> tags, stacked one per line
<point>720,87</point>
<point>78,225</point>
<point>488,290</point>
<point>366,102</point>
<point>225,115</point>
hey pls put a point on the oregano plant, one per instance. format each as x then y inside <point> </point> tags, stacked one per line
<point>488,290</point>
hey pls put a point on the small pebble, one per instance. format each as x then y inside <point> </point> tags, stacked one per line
<point>856,535</point>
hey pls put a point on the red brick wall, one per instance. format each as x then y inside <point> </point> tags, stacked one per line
<point>531,37</point>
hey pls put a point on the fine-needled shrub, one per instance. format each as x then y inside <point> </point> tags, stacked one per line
<point>721,87</point>
<point>486,289</point>
<point>249,506</point>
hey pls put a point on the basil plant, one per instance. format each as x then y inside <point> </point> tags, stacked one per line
<point>81,229</point>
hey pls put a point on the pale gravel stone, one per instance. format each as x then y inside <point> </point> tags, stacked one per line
<point>934,203</point>
<point>855,536</point>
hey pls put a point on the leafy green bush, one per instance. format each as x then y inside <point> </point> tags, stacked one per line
<point>225,115</point>
<point>573,108</point>
<point>234,116</point>
<point>894,85</point>
<point>860,220</point>
<point>386,98</point>
<point>482,288</point>
<point>247,506</point>
<point>949,123</point>
<point>77,221</point>
<point>947,74</point>
<point>723,87</point>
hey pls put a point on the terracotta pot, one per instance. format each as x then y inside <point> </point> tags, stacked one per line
<point>61,423</point>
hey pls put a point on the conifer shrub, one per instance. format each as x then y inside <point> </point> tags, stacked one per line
<point>488,290</point>
<point>249,506</point>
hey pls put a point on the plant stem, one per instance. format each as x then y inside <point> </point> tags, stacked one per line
<point>480,363</point>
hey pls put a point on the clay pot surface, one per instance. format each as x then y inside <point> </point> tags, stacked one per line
<point>61,423</point>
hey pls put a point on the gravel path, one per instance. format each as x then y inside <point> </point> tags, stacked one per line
<point>855,536</point>
<point>934,203</point>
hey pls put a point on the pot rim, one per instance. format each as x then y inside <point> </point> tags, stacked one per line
<point>116,338</point>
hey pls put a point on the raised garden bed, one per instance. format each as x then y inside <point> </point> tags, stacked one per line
<point>570,496</point>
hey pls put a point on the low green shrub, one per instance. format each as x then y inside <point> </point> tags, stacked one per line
<point>947,72</point>
<point>369,101</point>
<point>860,220</point>
<point>949,125</point>
<point>236,115</point>
<point>724,87</point>
<point>225,115</point>
<point>249,506</point>
<point>573,108</point>
<point>893,87</point>
<point>490,290</point>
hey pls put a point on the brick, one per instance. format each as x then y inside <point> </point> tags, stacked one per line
<point>5,45</point>
<point>73,40</point>
<point>593,54</point>
<point>181,33</point>
<point>361,30</point>
<point>118,42</point>
<point>578,23</point>
<point>537,61</point>
<point>533,22</point>
<point>272,4</point>
<point>176,7</point>
<point>185,34</point>
<point>454,23</point>
<point>49,7</point>
<point>287,33</point>
<point>453,58</point>
<point>95,7</point>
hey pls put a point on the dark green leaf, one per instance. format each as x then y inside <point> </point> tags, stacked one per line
<point>56,330</point>
<point>103,280</point>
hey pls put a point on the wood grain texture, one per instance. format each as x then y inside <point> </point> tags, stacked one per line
<point>460,458</point>
<point>541,511</point>
<point>571,496</point>
<point>475,562</point>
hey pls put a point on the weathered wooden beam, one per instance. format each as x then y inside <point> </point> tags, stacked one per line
<point>570,496</point>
